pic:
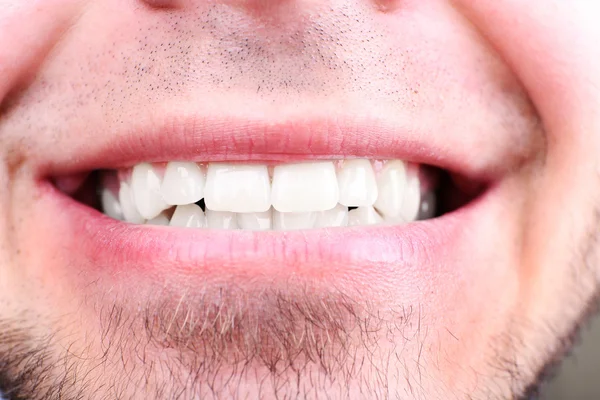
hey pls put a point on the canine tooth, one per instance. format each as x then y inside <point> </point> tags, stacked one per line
<point>364,216</point>
<point>391,184</point>
<point>145,184</point>
<point>304,187</point>
<point>183,183</point>
<point>237,188</point>
<point>111,205</point>
<point>294,220</point>
<point>161,219</point>
<point>255,221</point>
<point>412,199</point>
<point>221,220</point>
<point>188,216</point>
<point>337,216</point>
<point>427,208</point>
<point>130,211</point>
<point>357,183</point>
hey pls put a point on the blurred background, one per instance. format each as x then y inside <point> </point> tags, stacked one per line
<point>579,376</point>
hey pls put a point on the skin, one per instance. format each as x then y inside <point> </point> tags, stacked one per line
<point>488,321</point>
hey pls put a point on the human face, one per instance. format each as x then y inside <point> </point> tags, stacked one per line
<point>495,104</point>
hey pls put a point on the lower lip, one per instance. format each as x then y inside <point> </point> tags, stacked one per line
<point>372,255</point>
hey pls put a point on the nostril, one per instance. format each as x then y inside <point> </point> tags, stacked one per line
<point>159,4</point>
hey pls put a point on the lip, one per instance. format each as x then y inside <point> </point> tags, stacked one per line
<point>349,256</point>
<point>194,138</point>
<point>378,255</point>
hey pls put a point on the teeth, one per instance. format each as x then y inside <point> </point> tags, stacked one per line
<point>337,216</point>
<point>130,211</point>
<point>357,184</point>
<point>221,220</point>
<point>392,183</point>
<point>161,219</point>
<point>188,216</point>
<point>412,199</point>
<point>364,216</point>
<point>293,220</point>
<point>238,188</point>
<point>299,196</point>
<point>304,187</point>
<point>145,184</point>
<point>428,204</point>
<point>183,183</point>
<point>255,221</point>
<point>111,205</point>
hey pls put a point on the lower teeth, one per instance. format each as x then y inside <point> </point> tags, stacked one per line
<point>193,216</point>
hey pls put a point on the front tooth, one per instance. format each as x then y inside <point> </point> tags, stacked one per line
<point>294,220</point>
<point>111,205</point>
<point>255,221</point>
<point>337,216</point>
<point>364,216</point>
<point>145,184</point>
<point>161,219</point>
<point>238,188</point>
<point>188,216</point>
<point>412,199</point>
<point>130,211</point>
<point>221,220</point>
<point>304,187</point>
<point>183,183</point>
<point>357,183</point>
<point>391,183</point>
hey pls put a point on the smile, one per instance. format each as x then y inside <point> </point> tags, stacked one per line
<point>261,208</point>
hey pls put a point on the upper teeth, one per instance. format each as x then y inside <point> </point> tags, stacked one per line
<point>253,196</point>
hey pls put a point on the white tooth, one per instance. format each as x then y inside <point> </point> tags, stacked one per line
<point>130,211</point>
<point>221,220</point>
<point>304,187</point>
<point>237,188</point>
<point>183,183</point>
<point>145,184</point>
<point>111,205</point>
<point>255,221</point>
<point>357,183</point>
<point>188,216</point>
<point>364,216</point>
<point>412,199</point>
<point>337,216</point>
<point>391,183</point>
<point>294,220</point>
<point>161,219</point>
<point>427,208</point>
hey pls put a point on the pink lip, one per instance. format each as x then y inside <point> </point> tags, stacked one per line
<point>359,255</point>
<point>223,139</point>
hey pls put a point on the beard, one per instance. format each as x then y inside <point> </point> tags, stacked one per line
<point>296,342</point>
<point>234,342</point>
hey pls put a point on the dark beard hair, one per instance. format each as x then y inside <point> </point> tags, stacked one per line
<point>219,335</point>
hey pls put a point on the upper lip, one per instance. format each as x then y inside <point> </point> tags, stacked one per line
<point>200,138</point>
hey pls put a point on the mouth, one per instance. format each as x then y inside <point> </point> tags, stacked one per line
<point>267,201</point>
